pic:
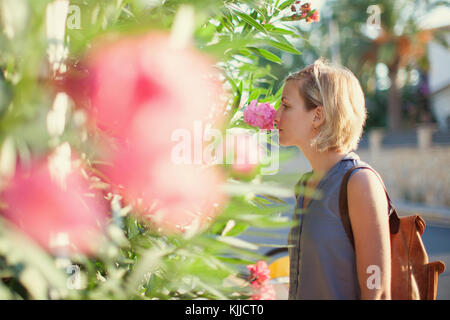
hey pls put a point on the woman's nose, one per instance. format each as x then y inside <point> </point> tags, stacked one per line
<point>277,117</point>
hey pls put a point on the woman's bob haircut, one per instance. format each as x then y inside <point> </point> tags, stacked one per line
<point>339,92</point>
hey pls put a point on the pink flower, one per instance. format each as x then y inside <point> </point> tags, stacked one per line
<point>259,272</point>
<point>315,16</point>
<point>42,209</point>
<point>245,152</point>
<point>146,71</point>
<point>170,197</point>
<point>260,115</point>
<point>260,280</point>
<point>265,292</point>
<point>143,89</point>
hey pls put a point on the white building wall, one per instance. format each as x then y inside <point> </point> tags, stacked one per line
<point>439,81</point>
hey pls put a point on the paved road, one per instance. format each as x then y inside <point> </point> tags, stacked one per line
<point>436,239</point>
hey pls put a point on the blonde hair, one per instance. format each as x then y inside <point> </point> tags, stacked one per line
<point>339,92</point>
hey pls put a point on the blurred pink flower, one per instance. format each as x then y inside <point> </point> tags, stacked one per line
<point>315,17</point>
<point>173,197</point>
<point>42,209</point>
<point>259,115</point>
<point>247,154</point>
<point>146,71</point>
<point>142,90</point>
<point>265,292</point>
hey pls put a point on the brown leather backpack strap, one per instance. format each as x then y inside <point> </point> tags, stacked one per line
<point>343,207</point>
<point>394,221</point>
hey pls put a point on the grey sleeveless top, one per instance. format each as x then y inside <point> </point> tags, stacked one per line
<point>322,259</point>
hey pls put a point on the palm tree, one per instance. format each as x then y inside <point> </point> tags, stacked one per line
<point>397,41</point>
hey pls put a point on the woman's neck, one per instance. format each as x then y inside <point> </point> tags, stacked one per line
<point>321,163</point>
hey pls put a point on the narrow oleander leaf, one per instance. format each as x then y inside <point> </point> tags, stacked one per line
<point>280,31</point>
<point>274,199</point>
<point>285,4</point>
<point>250,21</point>
<point>282,46</point>
<point>237,242</point>
<point>266,54</point>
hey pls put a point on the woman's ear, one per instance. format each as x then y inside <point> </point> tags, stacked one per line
<point>319,117</point>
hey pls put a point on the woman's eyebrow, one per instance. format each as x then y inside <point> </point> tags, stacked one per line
<point>284,99</point>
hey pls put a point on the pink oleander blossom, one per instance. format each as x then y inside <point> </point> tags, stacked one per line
<point>143,89</point>
<point>259,272</point>
<point>315,16</point>
<point>245,152</point>
<point>131,73</point>
<point>265,292</point>
<point>260,281</point>
<point>171,197</point>
<point>259,115</point>
<point>44,210</point>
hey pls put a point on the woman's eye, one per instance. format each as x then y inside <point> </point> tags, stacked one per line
<point>285,106</point>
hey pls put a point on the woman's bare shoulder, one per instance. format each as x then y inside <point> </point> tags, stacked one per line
<point>366,193</point>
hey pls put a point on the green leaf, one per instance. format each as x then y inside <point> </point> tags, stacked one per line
<point>206,33</point>
<point>250,85</point>
<point>5,293</point>
<point>255,93</point>
<point>241,211</point>
<point>239,228</point>
<point>274,199</point>
<point>271,245</point>
<point>237,242</point>
<point>34,282</point>
<point>282,46</point>
<point>269,93</point>
<point>280,31</point>
<point>236,100</point>
<point>224,20</point>
<point>262,200</point>
<point>232,82</point>
<point>210,289</point>
<point>241,87</point>
<point>236,260</point>
<point>250,21</point>
<point>245,52</point>
<point>285,4</point>
<point>279,92</point>
<point>242,188</point>
<point>266,54</point>
<point>207,269</point>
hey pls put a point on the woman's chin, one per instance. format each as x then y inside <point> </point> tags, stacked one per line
<point>283,143</point>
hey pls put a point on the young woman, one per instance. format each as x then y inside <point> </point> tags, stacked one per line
<point>322,112</point>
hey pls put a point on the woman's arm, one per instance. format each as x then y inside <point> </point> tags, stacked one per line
<point>368,212</point>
